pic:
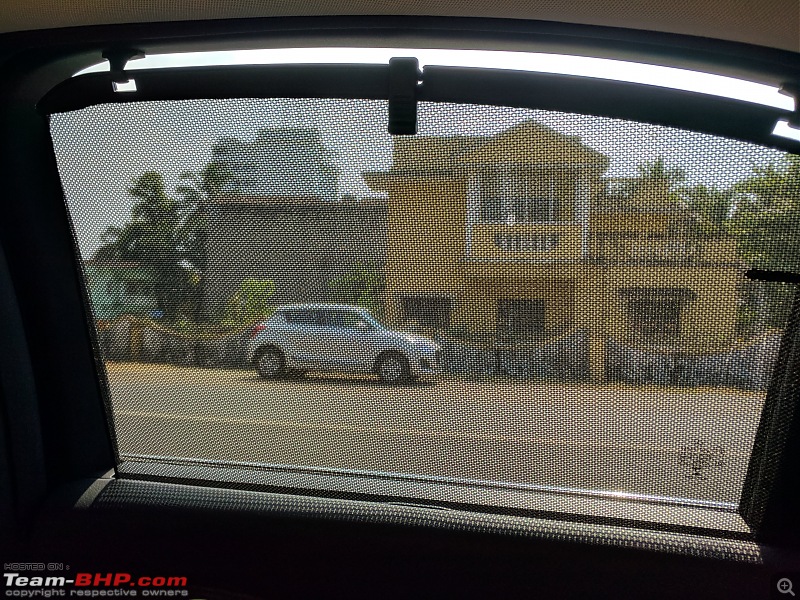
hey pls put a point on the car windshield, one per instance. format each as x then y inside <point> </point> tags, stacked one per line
<point>582,277</point>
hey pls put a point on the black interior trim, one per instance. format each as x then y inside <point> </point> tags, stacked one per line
<point>238,81</point>
<point>632,101</point>
<point>35,233</point>
<point>478,499</point>
<point>591,40</point>
<point>173,495</point>
<point>268,545</point>
<point>22,477</point>
<point>771,489</point>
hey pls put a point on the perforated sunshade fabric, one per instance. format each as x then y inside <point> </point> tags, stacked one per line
<point>512,296</point>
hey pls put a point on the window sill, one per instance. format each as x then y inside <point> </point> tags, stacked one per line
<point>707,529</point>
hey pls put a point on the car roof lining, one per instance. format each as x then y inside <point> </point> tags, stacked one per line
<point>770,23</point>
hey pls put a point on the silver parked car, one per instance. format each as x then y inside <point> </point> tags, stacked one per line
<point>337,338</point>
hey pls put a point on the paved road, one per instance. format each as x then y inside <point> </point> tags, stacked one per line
<point>621,438</point>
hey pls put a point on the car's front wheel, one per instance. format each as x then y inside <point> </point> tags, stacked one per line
<point>270,363</point>
<point>392,368</point>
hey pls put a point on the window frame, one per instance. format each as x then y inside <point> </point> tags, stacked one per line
<point>768,507</point>
<point>506,331</point>
<point>512,203</point>
<point>312,81</point>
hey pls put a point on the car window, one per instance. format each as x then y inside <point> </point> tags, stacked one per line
<point>302,317</point>
<point>344,319</point>
<point>578,285</point>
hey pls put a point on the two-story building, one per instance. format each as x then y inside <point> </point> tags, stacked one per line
<point>520,236</point>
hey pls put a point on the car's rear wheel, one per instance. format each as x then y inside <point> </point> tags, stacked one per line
<point>392,368</point>
<point>270,363</point>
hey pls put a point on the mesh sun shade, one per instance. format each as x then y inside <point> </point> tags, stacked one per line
<point>513,296</point>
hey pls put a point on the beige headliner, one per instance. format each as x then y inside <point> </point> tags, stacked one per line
<point>774,23</point>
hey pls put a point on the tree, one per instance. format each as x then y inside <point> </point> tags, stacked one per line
<point>156,238</point>
<point>658,170</point>
<point>710,208</point>
<point>766,224</point>
<point>767,216</point>
<point>250,303</point>
<point>168,236</point>
<point>362,285</point>
<point>198,190</point>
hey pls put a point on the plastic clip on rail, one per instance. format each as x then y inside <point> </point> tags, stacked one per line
<point>404,78</point>
<point>793,89</point>
<point>117,59</point>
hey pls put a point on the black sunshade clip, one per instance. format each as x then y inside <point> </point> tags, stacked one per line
<point>404,78</point>
<point>118,59</point>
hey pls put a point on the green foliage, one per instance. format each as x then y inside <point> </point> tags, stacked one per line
<point>362,285</point>
<point>767,216</point>
<point>154,238</point>
<point>762,306</point>
<point>656,170</point>
<point>762,213</point>
<point>166,236</point>
<point>197,189</point>
<point>250,303</point>
<point>709,208</point>
<point>766,224</point>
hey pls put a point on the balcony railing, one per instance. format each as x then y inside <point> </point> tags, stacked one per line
<point>527,242</point>
<point>564,243</point>
<point>660,249</point>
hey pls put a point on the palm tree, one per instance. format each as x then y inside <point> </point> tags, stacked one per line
<point>198,190</point>
<point>710,208</point>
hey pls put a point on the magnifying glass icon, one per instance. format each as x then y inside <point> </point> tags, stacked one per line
<point>785,586</point>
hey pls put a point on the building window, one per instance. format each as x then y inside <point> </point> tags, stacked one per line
<point>654,314</point>
<point>520,319</point>
<point>427,311</point>
<point>519,197</point>
<point>491,208</point>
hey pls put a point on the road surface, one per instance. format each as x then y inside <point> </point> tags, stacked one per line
<point>685,443</point>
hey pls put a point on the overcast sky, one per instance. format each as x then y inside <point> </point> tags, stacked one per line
<point>102,149</point>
